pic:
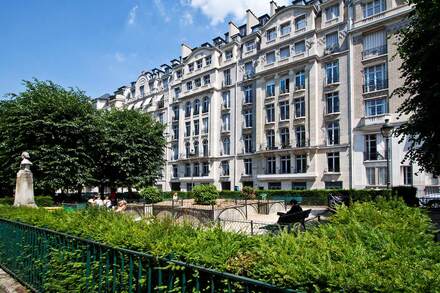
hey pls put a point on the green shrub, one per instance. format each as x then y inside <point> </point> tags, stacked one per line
<point>41,201</point>
<point>151,194</point>
<point>205,194</point>
<point>248,193</point>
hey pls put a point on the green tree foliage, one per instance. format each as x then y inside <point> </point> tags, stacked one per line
<point>419,45</point>
<point>55,126</point>
<point>205,194</point>
<point>151,194</point>
<point>131,152</point>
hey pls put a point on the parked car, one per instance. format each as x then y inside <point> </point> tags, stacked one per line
<point>430,200</point>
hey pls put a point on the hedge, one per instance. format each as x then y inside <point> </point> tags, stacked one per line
<point>41,201</point>
<point>381,246</point>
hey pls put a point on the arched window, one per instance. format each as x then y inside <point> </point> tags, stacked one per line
<point>188,109</point>
<point>187,149</point>
<point>196,107</point>
<point>226,146</point>
<point>205,148</point>
<point>205,107</point>
<point>196,147</point>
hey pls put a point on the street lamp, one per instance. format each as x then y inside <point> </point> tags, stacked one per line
<point>387,132</point>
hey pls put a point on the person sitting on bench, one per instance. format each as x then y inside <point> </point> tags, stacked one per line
<point>296,208</point>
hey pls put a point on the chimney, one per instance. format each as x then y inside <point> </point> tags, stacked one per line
<point>273,7</point>
<point>233,29</point>
<point>251,20</point>
<point>185,50</point>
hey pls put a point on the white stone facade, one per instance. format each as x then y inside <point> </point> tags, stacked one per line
<point>295,99</point>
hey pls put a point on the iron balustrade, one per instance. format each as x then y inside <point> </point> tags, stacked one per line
<point>376,51</point>
<point>375,85</point>
<point>37,257</point>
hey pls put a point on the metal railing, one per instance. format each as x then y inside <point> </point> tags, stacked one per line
<point>376,51</point>
<point>375,85</point>
<point>43,259</point>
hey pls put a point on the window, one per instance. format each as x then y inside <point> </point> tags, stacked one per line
<point>300,22</point>
<point>373,7</point>
<point>247,118</point>
<point>175,131</point>
<point>227,77</point>
<point>196,109</point>
<point>196,127</point>
<point>333,162</point>
<point>300,47</point>
<point>332,12</point>
<point>375,107</point>
<point>333,184</point>
<point>208,60</point>
<point>285,137</point>
<point>226,122</point>
<point>175,113</point>
<point>332,72</point>
<point>205,122</point>
<point>177,92</point>
<point>407,175</point>
<point>333,133</point>
<point>175,154</point>
<point>226,97</point>
<point>189,186</point>
<point>179,74</point>
<point>248,143</point>
<point>249,69</point>
<point>205,169</point>
<point>285,164</point>
<point>300,135</point>
<point>270,88</point>
<point>284,85</point>
<point>371,175</point>
<point>270,139</point>
<point>225,168</point>
<point>175,171</point>
<point>332,102</point>
<point>374,44</point>
<point>375,78</point>
<point>300,107</point>
<point>271,35</point>
<point>187,170</point>
<point>187,149</point>
<point>142,90</point>
<point>270,58</point>
<point>371,148</point>
<point>382,176</point>
<point>284,110</point>
<point>187,128</point>
<point>191,67</point>
<point>300,80</point>
<point>300,163</point>
<point>196,170</point>
<point>284,53</point>
<point>250,46</point>
<point>274,185</point>
<point>205,107</point>
<point>165,83</point>
<point>248,166</point>
<point>206,79</point>
<point>331,41</point>
<point>270,113</point>
<point>299,185</point>
<point>248,94</point>
<point>205,148</point>
<point>196,148</point>
<point>226,146</point>
<point>189,85</point>
<point>199,63</point>
<point>271,165</point>
<point>285,28</point>
<point>228,55</point>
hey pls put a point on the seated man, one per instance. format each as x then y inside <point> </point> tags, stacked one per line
<point>296,208</point>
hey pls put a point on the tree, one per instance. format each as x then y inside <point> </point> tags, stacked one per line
<point>55,125</point>
<point>131,152</point>
<point>419,45</point>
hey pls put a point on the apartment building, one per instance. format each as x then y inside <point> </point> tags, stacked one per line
<point>293,99</point>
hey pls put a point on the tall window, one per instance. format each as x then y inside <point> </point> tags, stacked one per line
<point>333,162</point>
<point>271,34</point>
<point>205,122</point>
<point>206,79</point>
<point>270,113</point>
<point>284,53</point>
<point>177,92</point>
<point>248,166</point>
<point>371,175</point>
<point>226,122</point>
<point>142,90</point>
<point>407,175</point>
<point>175,148</point>
<point>225,168</point>
<point>196,127</point>
<point>284,110</point>
<point>375,107</point>
<point>300,135</point>
<point>188,109</point>
<point>300,107</point>
<point>205,169</point>
<point>187,170</point>
<point>205,107</point>
<point>189,85</point>
<point>375,78</point>
<point>250,46</point>
<point>248,94</point>
<point>271,165</point>
<point>333,133</point>
<point>332,102</point>
<point>331,41</point>
<point>300,80</point>
<point>284,85</point>
<point>205,148</point>
<point>332,12</point>
<point>249,69</point>
<point>285,137</point>
<point>196,170</point>
<point>248,148</point>
<point>187,128</point>
<point>228,55</point>
<point>208,60</point>
<point>285,164</point>
<point>332,72</point>
<point>196,148</point>
<point>226,99</point>
<point>300,22</point>
<point>175,171</point>
<point>371,147</point>
<point>371,8</point>
<point>175,128</point>
<point>300,163</point>
<point>270,88</point>
<point>270,58</point>
<point>199,63</point>
<point>191,67</point>
<point>300,47</point>
<point>196,109</point>
<point>175,113</point>
<point>226,146</point>
<point>187,149</point>
<point>374,44</point>
<point>247,118</point>
<point>270,139</point>
<point>227,77</point>
<point>285,28</point>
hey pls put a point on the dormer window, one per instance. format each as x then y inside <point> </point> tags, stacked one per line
<point>285,28</point>
<point>191,67</point>
<point>300,22</point>
<point>271,35</point>
<point>142,90</point>
<point>228,55</point>
<point>179,73</point>
<point>199,63</point>
<point>250,46</point>
<point>332,12</point>
<point>208,60</point>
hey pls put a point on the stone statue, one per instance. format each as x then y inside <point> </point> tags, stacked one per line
<point>24,189</point>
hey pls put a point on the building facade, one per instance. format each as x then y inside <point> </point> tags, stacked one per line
<point>294,99</point>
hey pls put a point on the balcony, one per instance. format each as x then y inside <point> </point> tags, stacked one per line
<point>300,86</point>
<point>375,85</point>
<point>373,122</point>
<point>287,176</point>
<point>373,156</point>
<point>373,52</point>
<point>248,75</point>
<point>331,50</point>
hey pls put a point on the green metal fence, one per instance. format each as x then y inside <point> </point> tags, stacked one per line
<point>49,261</point>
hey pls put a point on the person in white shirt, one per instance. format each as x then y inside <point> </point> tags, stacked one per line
<point>99,202</point>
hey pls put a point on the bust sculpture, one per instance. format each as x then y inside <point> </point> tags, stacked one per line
<point>25,163</point>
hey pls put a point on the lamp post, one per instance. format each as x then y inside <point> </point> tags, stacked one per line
<point>387,132</point>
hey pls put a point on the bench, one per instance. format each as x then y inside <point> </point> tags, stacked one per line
<point>289,220</point>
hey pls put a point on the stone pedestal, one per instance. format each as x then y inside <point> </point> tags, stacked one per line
<point>24,189</point>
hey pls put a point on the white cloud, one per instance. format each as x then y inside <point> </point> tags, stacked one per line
<point>162,11</point>
<point>132,15</point>
<point>217,10</point>
<point>119,57</point>
<point>187,18</point>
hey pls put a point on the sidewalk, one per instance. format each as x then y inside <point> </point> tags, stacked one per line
<point>9,285</point>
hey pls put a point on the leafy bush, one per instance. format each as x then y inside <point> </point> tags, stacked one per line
<point>151,194</point>
<point>41,201</point>
<point>205,194</point>
<point>248,193</point>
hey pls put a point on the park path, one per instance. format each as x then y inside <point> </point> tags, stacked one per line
<point>9,284</point>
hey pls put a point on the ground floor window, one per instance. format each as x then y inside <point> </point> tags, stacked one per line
<point>333,185</point>
<point>248,183</point>
<point>299,185</point>
<point>226,185</point>
<point>175,186</point>
<point>407,175</point>
<point>274,185</point>
<point>189,186</point>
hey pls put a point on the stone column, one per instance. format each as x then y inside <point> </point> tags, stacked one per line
<point>24,189</point>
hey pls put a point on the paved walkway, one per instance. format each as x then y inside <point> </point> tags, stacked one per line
<point>9,285</point>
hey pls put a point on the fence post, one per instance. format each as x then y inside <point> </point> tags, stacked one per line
<point>245,208</point>
<point>252,227</point>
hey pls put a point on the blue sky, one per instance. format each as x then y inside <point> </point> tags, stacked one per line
<point>99,45</point>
